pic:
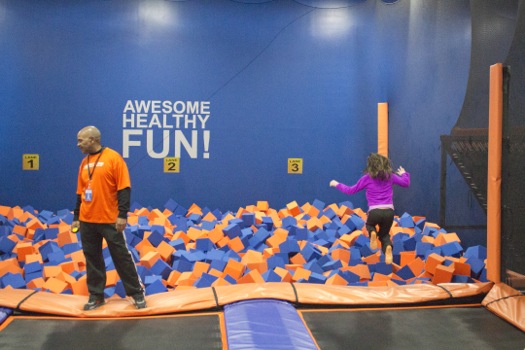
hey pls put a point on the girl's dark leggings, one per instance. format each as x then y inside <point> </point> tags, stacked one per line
<point>383,218</point>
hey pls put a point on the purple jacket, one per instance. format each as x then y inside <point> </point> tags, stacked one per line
<point>379,193</point>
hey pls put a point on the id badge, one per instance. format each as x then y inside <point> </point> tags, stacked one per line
<point>88,195</point>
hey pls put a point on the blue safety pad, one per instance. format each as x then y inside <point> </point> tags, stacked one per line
<point>265,324</point>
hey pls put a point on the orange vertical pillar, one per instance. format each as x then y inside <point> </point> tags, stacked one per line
<point>382,128</point>
<point>494,173</point>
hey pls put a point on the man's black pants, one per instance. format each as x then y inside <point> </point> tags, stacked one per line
<point>91,237</point>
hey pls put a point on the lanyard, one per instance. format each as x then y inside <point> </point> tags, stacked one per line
<point>90,174</point>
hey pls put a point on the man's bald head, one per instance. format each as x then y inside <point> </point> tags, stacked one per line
<point>88,139</point>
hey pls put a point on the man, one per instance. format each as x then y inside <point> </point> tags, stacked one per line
<point>103,201</point>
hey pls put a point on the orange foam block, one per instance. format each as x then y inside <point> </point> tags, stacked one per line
<point>112,278</point>
<point>254,276</point>
<point>165,250</point>
<point>444,238</point>
<point>236,244</point>
<point>443,274</point>
<point>199,268</point>
<point>362,270</point>
<point>283,273</point>
<point>461,268</point>
<point>149,259</point>
<point>36,283</point>
<point>293,208</point>
<point>416,266</point>
<point>80,287</point>
<point>51,271</point>
<point>263,206</point>
<point>433,260</point>
<point>55,285</point>
<point>173,277</point>
<point>66,237</point>
<point>336,280</point>
<point>234,269</point>
<point>10,265</point>
<point>407,257</point>
<point>24,248</point>
<point>301,273</point>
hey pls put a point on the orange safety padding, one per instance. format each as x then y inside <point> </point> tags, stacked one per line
<point>382,128</point>
<point>507,303</point>
<point>494,173</point>
<point>187,300</point>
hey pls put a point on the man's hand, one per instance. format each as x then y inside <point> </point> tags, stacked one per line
<point>75,226</point>
<point>120,225</point>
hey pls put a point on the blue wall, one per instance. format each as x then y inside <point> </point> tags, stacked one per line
<point>283,79</point>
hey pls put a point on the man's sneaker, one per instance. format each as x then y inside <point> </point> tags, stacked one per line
<point>139,301</point>
<point>388,255</point>
<point>373,240</point>
<point>94,302</point>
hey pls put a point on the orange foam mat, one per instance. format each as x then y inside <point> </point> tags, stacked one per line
<point>507,303</point>
<point>215,297</point>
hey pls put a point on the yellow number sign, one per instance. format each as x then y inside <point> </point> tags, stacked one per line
<point>30,162</point>
<point>172,165</point>
<point>295,165</point>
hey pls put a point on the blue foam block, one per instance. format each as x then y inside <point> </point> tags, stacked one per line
<point>406,221</point>
<point>31,276</point>
<point>276,261</point>
<point>317,278</point>
<point>171,205</point>
<point>178,244</point>
<point>314,266</point>
<point>478,252</point>
<point>288,221</point>
<point>14,280</point>
<point>32,267</point>
<point>109,292</point>
<point>289,246</point>
<point>271,276</point>
<point>319,204</point>
<point>310,252</point>
<point>422,248</point>
<point>248,219</point>
<point>232,231</point>
<point>204,244</point>
<point>329,213</point>
<point>350,277</point>
<point>218,265</point>
<point>6,245</point>
<point>120,290</point>
<point>381,267</point>
<point>214,255</point>
<point>361,241</point>
<point>206,280</point>
<point>357,221</point>
<point>51,233</point>
<point>161,268</point>
<point>332,265</point>
<point>155,288</point>
<point>182,265</point>
<point>452,249</point>
<point>476,267</point>
<point>405,273</point>
<point>195,218</point>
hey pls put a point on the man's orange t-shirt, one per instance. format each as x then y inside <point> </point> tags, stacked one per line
<point>109,174</point>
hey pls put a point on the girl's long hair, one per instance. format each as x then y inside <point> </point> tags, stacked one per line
<point>378,166</point>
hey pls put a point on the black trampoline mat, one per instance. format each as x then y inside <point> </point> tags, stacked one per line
<point>188,332</point>
<point>444,328</point>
